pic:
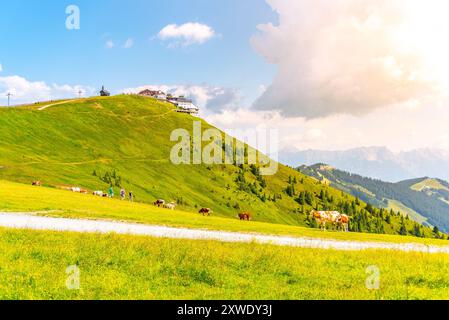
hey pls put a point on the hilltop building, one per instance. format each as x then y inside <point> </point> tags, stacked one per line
<point>183,104</point>
<point>157,94</point>
<point>104,93</point>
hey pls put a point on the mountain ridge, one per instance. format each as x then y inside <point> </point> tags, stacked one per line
<point>425,199</point>
<point>378,162</point>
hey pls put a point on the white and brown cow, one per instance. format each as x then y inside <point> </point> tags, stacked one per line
<point>159,203</point>
<point>170,206</point>
<point>321,218</point>
<point>334,218</point>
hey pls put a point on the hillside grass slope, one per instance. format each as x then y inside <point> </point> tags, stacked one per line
<point>50,202</point>
<point>124,141</point>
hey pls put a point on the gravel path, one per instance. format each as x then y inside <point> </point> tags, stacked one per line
<point>54,104</point>
<point>28,221</point>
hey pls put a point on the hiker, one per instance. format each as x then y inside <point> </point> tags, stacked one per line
<point>111,192</point>
<point>122,194</point>
<point>131,196</point>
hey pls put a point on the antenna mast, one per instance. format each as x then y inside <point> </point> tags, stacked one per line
<point>9,97</point>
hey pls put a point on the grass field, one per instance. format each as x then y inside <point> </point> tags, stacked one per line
<point>429,183</point>
<point>33,266</point>
<point>60,203</point>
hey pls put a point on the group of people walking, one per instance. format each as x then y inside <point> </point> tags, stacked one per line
<point>122,194</point>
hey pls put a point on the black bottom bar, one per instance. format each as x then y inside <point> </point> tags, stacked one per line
<point>222,309</point>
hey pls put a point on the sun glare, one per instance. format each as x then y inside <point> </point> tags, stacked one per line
<point>424,33</point>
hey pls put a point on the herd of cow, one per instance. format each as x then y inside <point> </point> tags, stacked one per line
<point>334,218</point>
<point>323,218</point>
<point>160,203</point>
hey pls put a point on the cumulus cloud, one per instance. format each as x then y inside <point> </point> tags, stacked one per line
<point>211,99</point>
<point>25,91</point>
<point>403,122</point>
<point>187,34</point>
<point>352,56</point>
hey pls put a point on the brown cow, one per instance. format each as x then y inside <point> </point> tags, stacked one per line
<point>343,221</point>
<point>245,216</point>
<point>206,212</point>
<point>37,183</point>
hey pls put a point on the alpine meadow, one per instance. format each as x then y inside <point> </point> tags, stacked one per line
<point>224,159</point>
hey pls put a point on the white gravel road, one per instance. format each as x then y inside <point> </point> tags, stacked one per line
<point>34,222</point>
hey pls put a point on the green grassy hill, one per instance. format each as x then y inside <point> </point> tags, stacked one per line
<point>125,140</point>
<point>429,184</point>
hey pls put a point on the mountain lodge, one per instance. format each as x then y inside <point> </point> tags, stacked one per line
<point>183,104</point>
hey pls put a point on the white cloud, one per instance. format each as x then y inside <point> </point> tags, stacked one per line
<point>210,99</point>
<point>110,44</point>
<point>443,141</point>
<point>353,56</point>
<point>25,91</point>
<point>187,34</point>
<point>129,43</point>
<point>1,67</point>
<point>397,127</point>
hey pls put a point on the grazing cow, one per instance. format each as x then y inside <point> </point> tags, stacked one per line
<point>206,212</point>
<point>170,206</point>
<point>335,218</point>
<point>344,222</point>
<point>75,189</point>
<point>98,193</point>
<point>245,216</point>
<point>159,203</point>
<point>321,217</point>
<point>37,183</point>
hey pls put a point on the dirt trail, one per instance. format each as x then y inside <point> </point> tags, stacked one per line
<point>54,104</point>
<point>34,222</point>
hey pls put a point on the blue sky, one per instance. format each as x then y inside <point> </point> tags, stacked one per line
<point>331,59</point>
<point>37,46</point>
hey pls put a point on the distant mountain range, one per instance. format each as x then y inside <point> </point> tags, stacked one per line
<point>378,162</point>
<point>424,200</point>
